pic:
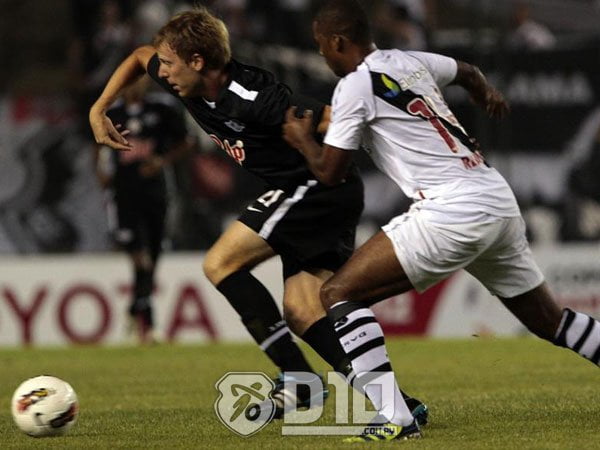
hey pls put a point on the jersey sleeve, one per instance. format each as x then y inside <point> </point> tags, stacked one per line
<point>442,68</point>
<point>352,106</point>
<point>272,103</point>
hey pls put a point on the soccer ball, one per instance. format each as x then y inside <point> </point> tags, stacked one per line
<point>45,406</point>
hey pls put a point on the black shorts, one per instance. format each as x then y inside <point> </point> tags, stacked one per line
<point>312,227</point>
<point>140,221</point>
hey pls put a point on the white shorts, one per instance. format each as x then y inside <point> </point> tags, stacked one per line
<point>496,252</point>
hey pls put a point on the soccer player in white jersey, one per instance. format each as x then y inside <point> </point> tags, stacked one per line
<point>464,214</point>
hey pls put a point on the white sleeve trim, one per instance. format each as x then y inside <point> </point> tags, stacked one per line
<point>340,144</point>
<point>351,109</point>
<point>240,90</point>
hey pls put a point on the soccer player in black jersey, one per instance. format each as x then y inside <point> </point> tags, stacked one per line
<point>309,225</point>
<point>158,136</point>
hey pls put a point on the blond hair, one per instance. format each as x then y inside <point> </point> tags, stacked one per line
<point>200,32</point>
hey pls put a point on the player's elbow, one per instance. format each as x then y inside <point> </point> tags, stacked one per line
<point>468,76</point>
<point>143,55</point>
<point>330,178</point>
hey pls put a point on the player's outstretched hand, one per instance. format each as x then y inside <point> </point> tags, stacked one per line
<point>494,103</point>
<point>297,131</point>
<point>106,133</point>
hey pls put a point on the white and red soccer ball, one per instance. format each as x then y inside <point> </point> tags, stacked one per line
<point>45,406</point>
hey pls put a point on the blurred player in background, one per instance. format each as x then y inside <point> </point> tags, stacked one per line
<point>527,33</point>
<point>464,214</point>
<point>582,205</point>
<point>136,178</point>
<point>310,225</point>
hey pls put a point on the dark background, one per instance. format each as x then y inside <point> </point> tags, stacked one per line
<point>57,56</point>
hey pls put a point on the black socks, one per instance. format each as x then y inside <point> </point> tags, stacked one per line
<point>263,320</point>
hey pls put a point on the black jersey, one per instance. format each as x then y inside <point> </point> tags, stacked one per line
<point>154,126</point>
<point>246,119</point>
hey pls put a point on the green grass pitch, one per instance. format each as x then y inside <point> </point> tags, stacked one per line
<point>482,393</point>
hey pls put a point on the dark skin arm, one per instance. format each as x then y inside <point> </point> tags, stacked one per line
<point>483,94</point>
<point>325,119</point>
<point>330,164</point>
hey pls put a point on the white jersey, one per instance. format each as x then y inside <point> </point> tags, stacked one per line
<point>393,106</point>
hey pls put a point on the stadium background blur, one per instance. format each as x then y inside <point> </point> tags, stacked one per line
<point>543,54</point>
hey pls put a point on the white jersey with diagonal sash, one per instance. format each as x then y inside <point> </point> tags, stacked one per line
<point>393,106</point>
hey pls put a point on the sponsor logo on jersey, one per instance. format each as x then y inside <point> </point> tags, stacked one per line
<point>412,78</point>
<point>236,151</point>
<point>235,125</point>
<point>393,87</point>
<point>404,83</point>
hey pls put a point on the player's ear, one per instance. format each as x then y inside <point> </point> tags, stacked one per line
<point>337,43</point>
<point>197,62</point>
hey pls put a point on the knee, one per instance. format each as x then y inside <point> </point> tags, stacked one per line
<point>293,318</point>
<point>297,319</point>
<point>331,293</point>
<point>217,267</point>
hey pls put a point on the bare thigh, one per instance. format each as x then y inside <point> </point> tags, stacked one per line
<point>371,274</point>
<point>239,247</point>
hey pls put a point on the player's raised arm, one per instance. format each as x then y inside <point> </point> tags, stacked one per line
<point>325,119</point>
<point>481,91</point>
<point>328,164</point>
<point>105,132</point>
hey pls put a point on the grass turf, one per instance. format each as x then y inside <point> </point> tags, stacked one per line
<point>482,393</point>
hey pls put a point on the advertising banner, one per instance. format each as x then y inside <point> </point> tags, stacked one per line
<point>63,300</point>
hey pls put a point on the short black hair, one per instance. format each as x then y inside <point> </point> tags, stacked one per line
<point>346,18</point>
